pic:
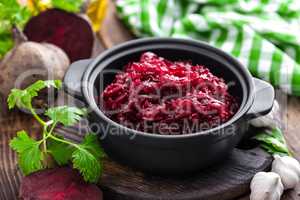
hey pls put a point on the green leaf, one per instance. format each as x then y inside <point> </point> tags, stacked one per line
<point>272,150</point>
<point>22,142</point>
<point>87,164</point>
<point>39,85</point>
<point>87,159</point>
<point>273,141</point>
<point>29,153</point>
<point>92,144</point>
<point>23,98</point>
<point>61,152</point>
<point>6,43</point>
<point>65,115</point>
<point>11,14</point>
<point>68,5</point>
<point>19,98</point>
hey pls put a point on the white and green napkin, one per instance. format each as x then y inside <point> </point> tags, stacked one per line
<point>264,35</point>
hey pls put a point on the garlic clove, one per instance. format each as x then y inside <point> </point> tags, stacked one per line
<point>266,186</point>
<point>268,120</point>
<point>288,169</point>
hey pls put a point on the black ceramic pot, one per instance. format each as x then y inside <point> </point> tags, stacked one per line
<point>168,154</point>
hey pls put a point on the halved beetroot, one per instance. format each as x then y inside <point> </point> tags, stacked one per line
<point>66,30</point>
<point>58,184</point>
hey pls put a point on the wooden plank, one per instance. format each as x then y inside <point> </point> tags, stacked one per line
<point>113,31</point>
<point>10,175</point>
<point>292,135</point>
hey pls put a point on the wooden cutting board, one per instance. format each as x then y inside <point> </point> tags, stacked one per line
<point>226,181</point>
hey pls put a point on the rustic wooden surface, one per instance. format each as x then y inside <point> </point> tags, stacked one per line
<point>113,32</point>
<point>231,179</point>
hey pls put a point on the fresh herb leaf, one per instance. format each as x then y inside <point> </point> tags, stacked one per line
<point>273,141</point>
<point>61,152</point>
<point>19,98</point>
<point>272,150</point>
<point>30,160</point>
<point>68,5</point>
<point>65,115</point>
<point>39,85</point>
<point>87,159</point>
<point>87,164</point>
<point>29,153</point>
<point>11,14</point>
<point>6,43</point>
<point>23,98</point>
<point>92,144</point>
<point>22,142</point>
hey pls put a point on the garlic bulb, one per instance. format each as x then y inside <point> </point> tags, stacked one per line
<point>268,120</point>
<point>266,186</point>
<point>288,169</point>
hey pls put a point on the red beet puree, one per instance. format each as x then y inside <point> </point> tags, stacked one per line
<point>156,95</point>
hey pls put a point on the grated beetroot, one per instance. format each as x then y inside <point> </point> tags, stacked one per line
<point>156,95</point>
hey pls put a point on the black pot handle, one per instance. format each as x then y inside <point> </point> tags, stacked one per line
<point>73,78</point>
<point>264,99</point>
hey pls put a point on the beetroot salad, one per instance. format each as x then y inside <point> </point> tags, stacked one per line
<point>156,95</point>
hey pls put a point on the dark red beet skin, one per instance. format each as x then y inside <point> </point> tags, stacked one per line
<point>66,30</point>
<point>58,184</point>
<point>156,95</point>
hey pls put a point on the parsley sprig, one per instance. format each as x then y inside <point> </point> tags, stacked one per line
<point>33,154</point>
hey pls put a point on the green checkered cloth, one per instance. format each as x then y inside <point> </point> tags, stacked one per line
<point>264,35</point>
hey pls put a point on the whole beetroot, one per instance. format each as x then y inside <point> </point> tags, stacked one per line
<point>58,184</point>
<point>28,62</point>
<point>71,32</point>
